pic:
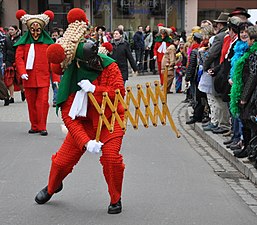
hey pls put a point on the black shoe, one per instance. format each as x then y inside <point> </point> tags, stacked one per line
<point>154,72</point>
<point>43,133</point>
<point>242,153</point>
<point>220,130</point>
<point>11,100</point>
<point>192,120</point>
<point>54,104</point>
<point>228,142</point>
<point>31,131</point>
<point>42,197</point>
<point>185,101</point>
<point>237,146</point>
<point>23,96</point>
<point>232,143</point>
<point>115,208</point>
<point>6,102</point>
<point>206,119</point>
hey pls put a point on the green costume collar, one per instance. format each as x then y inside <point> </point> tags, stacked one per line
<point>73,74</point>
<point>237,87</point>
<point>26,38</point>
<point>166,39</point>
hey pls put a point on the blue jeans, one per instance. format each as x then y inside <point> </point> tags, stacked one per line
<point>237,129</point>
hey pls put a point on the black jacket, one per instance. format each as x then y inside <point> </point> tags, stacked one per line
<point>122,54</point>
<point>139,42</point>
<point>192,66</point>
<point>249,86</point>
<point>9,50</point>
<point>214,52</point>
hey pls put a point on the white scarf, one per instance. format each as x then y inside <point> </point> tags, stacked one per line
<point>79,105</point>
<point>31,57</point>
<point>162,48</point>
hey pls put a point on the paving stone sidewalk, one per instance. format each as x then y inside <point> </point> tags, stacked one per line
<point>216,141</point>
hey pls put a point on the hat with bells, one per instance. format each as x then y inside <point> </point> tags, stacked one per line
<point>106,48</point>
<point>61,54</point>
<point>41,19</point>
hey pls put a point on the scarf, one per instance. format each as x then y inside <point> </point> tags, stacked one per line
<point>117,42</point>
<point>239,49</point>
<point>237,87</point>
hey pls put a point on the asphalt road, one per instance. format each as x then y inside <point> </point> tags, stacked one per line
<point>165,182</point>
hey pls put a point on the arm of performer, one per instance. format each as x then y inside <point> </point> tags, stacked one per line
<point>111,80</point>
<point>75,127</point>
<point>20,62</point>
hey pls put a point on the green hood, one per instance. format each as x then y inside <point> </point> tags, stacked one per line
<point>73,74</point>
<point>27,38</point>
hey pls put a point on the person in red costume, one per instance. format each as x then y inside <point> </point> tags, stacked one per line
<point>31,64</point>
<point>162,42</point>
<point>87,71</point>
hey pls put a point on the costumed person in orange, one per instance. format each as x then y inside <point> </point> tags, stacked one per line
<point>162,42</point>
<point>32,66</point>
<point>85,70</point>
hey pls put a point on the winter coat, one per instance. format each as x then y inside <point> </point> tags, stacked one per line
<point>122,54</point>
<point>214,52</point>
<point>249,85</point>
<point>169,59</point>
<point>148,40</point>
<point>9,50</point>
<point>138,39</point>
<point>192,65</point>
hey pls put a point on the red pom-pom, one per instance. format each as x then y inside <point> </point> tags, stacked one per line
<point>173,29</point>
<point>50,14</point>
<point>108,46</point>
<point>20,13</point>
<point>56,68</point>
<point>76,14</point>
<point>55,53</point>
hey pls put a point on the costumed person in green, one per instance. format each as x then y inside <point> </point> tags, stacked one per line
<point>85,71</point>
<point>33,67</point>
<point>162,42</point>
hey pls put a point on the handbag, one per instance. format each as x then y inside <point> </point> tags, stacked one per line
<point>9,75</point>
<point>220,81</point>
<point>252,149</point>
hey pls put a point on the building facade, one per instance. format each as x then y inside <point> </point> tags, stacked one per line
<point>182,14</point>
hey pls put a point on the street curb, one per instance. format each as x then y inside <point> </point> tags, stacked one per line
<point>216,141</point>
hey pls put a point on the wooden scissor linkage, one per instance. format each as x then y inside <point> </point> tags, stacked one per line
<point>150,101</point>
